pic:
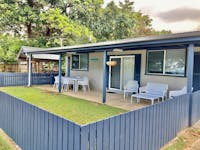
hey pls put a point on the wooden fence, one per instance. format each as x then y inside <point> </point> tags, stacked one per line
<point>148,128</point>
<point>17,79</point>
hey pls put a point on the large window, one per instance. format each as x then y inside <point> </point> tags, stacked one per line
<point>166,62</point>
<point>80,62</point>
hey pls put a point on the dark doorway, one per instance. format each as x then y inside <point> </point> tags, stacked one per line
<point>196,75</point>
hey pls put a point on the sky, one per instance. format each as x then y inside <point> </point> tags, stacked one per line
<point>174,15</point>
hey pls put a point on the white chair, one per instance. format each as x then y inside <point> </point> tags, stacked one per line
<point>131,87</point>
<point>84,83</point>
<point>178,92</point>
<point>66,82</point>
<point>56,82</point>
<point>155,89</point>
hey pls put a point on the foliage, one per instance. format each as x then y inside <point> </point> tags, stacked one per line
<point>63,31</point>
<point>77,110</point>
<point>114,21</point>
<point>50,23</point>
<point>9,47</point>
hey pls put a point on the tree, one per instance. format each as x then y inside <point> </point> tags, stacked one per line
<point>20,16</point>
<point>9,48</point>
<point>60,30</point>
<point>67,22</point>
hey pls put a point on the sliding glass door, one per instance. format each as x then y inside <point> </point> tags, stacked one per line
<point>115,72</point>
<point>121,72</point>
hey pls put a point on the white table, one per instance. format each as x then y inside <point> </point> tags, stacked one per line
<point>146,96</point>
<point>75,80</point>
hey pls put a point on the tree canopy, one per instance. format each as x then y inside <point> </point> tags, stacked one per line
<point>50,23</point>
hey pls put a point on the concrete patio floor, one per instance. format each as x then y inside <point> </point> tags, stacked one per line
<point>113,99</point>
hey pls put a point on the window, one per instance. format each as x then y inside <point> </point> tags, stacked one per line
<point>155,62</point>
<point>166,62</point>
<point>80,62</point>
<point>175,62</point>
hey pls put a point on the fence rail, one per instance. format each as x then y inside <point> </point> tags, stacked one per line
<point>17,79</point>
<point>148,128</point>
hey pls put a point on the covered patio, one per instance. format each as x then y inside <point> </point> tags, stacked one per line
<point>113,99</point>
<point>186,41</point>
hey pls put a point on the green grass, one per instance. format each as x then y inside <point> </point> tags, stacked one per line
<point>178,145</point>
<point>74,109</point>
<point>4,144</point>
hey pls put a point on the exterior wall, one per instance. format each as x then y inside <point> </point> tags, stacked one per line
<point>173,82</point>
<point>95,72</point>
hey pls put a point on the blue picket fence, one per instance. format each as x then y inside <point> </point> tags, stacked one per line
<point>148,128</point>
<point>19,79</point>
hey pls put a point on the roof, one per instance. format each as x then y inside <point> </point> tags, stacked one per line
<point>150,42</point>
<point>22,55</point>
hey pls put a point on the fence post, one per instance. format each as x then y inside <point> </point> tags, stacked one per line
<point>1,80</point>
<point>190,110</point>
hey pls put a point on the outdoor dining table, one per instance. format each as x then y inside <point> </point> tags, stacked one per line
<point>75,80</point>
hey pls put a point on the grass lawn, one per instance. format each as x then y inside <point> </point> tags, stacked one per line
<point>74,109</point>
<point>5,143</point>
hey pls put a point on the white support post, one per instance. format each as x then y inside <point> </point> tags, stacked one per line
<point>29,70</point>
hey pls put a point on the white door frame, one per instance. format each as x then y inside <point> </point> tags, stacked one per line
<point>121,73</point>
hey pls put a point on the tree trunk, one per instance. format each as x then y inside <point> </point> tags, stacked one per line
<point>29,30</point>
<point>48,32</point>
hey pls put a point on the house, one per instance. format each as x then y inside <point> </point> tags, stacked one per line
<point>164,59</point>
<point>40,62</point>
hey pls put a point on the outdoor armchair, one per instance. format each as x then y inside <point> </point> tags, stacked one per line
<point>131,87</point>
<point>155,89</point>
<point>66,82</point>
<point>84,83</point>
<point>178,92</point>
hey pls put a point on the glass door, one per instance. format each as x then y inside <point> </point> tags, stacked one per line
<point>115,74</point>
<point>128,65</point>
<point>122,72</point>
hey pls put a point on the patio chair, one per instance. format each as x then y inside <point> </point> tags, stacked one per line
<point>84,83</point>
<point>155,89</point>
<point>66,82</point>
<point>56,82</point>
<point>131,87</point>
<point>178,92</point>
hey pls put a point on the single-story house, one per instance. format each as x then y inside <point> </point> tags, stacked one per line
<point>172,59</point>
<point>38,61</point>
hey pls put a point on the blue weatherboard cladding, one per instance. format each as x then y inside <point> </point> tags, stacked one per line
<point>137,67</point>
